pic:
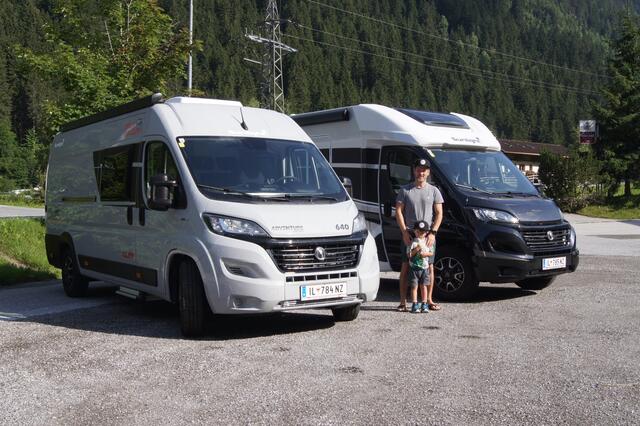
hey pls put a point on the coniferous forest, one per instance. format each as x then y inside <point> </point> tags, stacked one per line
<point>529,69</point>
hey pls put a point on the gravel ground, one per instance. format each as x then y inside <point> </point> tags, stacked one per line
<point>569,354</point>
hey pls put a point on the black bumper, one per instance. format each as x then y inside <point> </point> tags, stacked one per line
<point>506,268</point>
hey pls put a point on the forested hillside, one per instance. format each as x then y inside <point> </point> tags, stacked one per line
<point>528,68</point>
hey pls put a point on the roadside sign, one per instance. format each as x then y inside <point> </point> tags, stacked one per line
<point>588,132</point>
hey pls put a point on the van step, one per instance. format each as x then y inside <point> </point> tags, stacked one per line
<point>132,294</point>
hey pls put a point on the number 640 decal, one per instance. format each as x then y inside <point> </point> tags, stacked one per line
<point>342,227</point>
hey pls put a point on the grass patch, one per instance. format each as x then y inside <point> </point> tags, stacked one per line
<point>22,253</point>
<point>21,201</point>
<point>619,207</point>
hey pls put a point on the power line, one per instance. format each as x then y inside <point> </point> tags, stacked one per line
<point>456,42</point>
<point>507,79</point>
<point>483,72</point>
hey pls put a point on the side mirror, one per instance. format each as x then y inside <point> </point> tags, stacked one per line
<point>346,182</point>
<point>161,192</point>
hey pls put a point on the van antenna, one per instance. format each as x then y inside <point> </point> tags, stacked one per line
<point>243,124</point>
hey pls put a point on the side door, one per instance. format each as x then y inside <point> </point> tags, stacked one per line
<point>395,171</point>
<point>157,231</point>
<point>107,246</point>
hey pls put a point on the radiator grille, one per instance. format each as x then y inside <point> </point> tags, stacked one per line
<point>303,257</point>
<point>540,241</point>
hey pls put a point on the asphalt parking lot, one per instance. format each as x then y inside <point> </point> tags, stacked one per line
<point>567,354</point>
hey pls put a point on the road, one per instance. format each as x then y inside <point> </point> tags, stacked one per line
<point>11,211</point>
<point>567,354</point>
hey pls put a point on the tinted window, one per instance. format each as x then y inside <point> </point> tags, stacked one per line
<point>228,166</point>
<point>489,171</point>
<point>113,173</point>
<point>400,168</point>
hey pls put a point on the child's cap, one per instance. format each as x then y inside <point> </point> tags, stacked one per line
<point>421,225</point>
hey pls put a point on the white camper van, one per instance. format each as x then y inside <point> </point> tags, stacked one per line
<point>208,204</point>
<point>496,228</point>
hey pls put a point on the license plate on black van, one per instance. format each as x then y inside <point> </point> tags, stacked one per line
<point>554,263</point>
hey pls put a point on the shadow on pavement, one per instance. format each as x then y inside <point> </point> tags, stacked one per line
<point>160,319</point>
<point>388,292</point>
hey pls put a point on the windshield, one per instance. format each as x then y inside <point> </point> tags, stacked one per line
<point>485,171</point>
<point>256,168</point>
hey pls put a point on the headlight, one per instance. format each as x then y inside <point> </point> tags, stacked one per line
<point>488,215</point>
<point>572,237</point>
<point>230,226</point>
<point>359,224</point>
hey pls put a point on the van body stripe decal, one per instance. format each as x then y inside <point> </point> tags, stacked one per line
<point>122,270</point>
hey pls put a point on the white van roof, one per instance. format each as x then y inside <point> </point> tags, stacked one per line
<point>428,129</point>
<point>180,116</point>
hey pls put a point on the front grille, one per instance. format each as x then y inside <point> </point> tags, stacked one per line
<point>302,257</point>
<point>539,240</point>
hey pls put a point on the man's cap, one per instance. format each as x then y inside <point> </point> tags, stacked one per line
<point>421,225</point>
<point>422,162</point>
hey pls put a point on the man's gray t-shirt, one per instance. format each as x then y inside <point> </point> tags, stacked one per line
<point>418,203</point>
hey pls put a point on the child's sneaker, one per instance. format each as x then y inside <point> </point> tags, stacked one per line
<point>425,308</point>
<point>415,308</point>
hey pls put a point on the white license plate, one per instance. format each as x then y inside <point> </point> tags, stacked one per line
<point>323,291</point>
<point>554,263</point>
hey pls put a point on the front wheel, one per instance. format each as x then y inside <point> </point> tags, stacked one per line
<point>348,313</point>
<point>73,283</point>
<point>192,301</point>
<point>537,283</point>
<point>454,275</point>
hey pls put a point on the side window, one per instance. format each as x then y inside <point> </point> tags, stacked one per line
<point>400,168</point>
<point>114,174</point>
<point>158,160</point>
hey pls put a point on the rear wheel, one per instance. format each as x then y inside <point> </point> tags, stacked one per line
<point>454,276</point>
<point>537,283</point>
<point>348,313</point>
<point>192,301</point>
<point>73,283</point>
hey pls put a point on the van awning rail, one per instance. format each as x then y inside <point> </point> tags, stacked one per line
<point>141,103</point>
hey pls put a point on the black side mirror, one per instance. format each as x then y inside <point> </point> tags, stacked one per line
<point>346,182</point>
<point>161,192</point>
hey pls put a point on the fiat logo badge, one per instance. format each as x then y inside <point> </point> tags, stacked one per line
<point>320,253</point>
<point>549,235</point>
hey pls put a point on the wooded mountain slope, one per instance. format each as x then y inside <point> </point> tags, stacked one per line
<point>487,58</point>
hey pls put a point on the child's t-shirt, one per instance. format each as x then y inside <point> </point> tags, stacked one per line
<point>418,262</point>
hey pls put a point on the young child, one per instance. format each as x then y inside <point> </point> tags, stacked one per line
<point>418,254</point>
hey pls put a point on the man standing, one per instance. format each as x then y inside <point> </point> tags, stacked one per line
<point>418,201</point>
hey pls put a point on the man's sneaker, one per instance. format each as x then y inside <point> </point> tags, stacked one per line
<point>425,308</point>
<point>415,308</point>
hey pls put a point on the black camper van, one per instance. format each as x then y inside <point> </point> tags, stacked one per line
<point>497,227</point>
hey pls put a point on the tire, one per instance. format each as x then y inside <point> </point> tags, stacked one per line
<point>73,283</point>
<point>537,283</point>
<point>348,313</point>
<point>454,275</point>
<point>192,302</point>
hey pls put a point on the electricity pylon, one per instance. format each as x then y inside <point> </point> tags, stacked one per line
<point>272,87</point>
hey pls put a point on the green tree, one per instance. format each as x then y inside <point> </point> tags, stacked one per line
<point>619,114</point>
<point>103,53</point>
<point>571,181</point>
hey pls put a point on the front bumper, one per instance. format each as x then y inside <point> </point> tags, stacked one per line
<point>506,268</point>
<point>244,279</point>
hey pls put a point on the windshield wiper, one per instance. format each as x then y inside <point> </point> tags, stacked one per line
<point>310,197</point>
<point>473,188</point>
<point>512,193</point>
<point>228,191</point>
